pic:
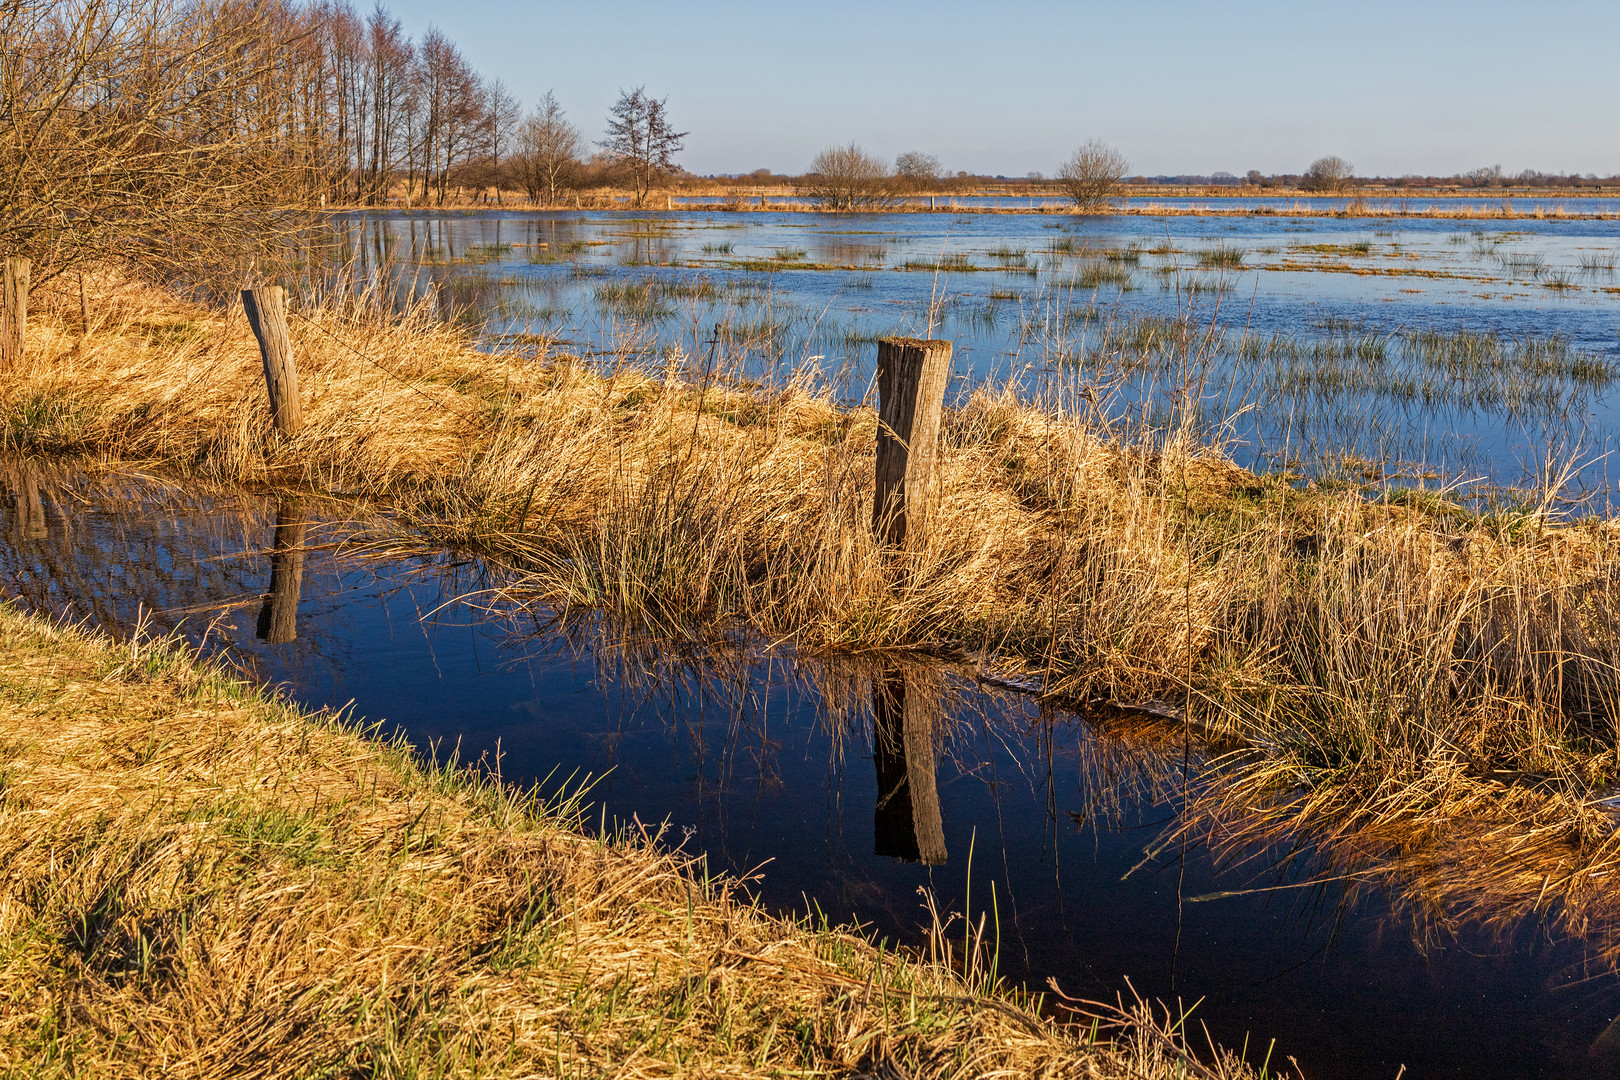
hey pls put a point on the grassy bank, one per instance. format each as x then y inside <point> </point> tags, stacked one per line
<point>1399,669</point>
<point>202,881</point>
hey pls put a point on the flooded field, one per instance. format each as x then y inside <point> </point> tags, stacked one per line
<point>1503,204</point>
<point>847,784</point>
<point>1362,351</point>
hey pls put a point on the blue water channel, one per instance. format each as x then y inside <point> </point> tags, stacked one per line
<point>785,767</point>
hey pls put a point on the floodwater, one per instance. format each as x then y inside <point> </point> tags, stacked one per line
<point>842,785</point>
<point>1370,351</point>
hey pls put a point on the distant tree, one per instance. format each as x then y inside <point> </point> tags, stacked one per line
<point>917,169</point>
<point>500,123</point>
<point>1330,173</point>
<point>640,139</point>
<point>546,161</point>
<point>452,114</point>
<point>1254,177</point>
<point>1091,176</point>
<point>388,57</point>
<point>848,178</point>
<point>1484,176</point>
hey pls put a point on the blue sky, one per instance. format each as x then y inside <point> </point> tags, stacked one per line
<point>1013,87</point>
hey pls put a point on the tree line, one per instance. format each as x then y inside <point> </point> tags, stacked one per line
<point>182,133</point>
<point>416,116</point>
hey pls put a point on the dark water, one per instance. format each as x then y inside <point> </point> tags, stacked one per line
<point>815,774</point>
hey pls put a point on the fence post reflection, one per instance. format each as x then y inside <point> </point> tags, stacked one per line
<point>906,822</point>
<point>278,618</point>
<point>29,509</point>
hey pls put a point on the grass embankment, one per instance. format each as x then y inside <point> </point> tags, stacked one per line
<point>199,880</point>
<point>1400,668</point>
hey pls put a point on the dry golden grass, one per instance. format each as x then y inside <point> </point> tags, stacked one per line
<point>1402,664</point>
<point>200,881</point>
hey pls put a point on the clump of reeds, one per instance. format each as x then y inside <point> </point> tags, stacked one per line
<point>202,881</point>
<point>1092,275</point>
<point>1222,258</point>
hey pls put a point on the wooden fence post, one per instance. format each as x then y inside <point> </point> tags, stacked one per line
<point>266,309</point>
<point>13,311</point>
<point>911,375</point>
<point>278,617</point>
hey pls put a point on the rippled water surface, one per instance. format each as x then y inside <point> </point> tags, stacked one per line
<point>845,784</point>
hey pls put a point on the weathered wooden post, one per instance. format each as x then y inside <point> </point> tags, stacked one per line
<point>266,309</point>
<point>13,311</point>
<point>906,822</point>
<point>911,375</point>
<point>278,617</point>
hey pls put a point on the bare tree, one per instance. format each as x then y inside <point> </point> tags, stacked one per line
<point>640,139</point>
<point>1092,174</point>
<point>917,169</point>
<point>1330,173</point>
<point>502,111</point>
<point>452,116</point>
<point>388,74</point>
<point>1484,176</point>
<point>546,161</point>
<point>848,178</point>
<point>164,134</point>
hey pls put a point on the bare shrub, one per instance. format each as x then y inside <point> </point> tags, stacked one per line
<point>1091,176</point>
<point>917,169</point>
<point>1330,173</point>
<point>152,132</point>
<point>546,162</point>
<point>848,178</point>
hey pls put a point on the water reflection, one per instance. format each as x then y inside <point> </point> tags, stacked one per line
<point>278,618</point>
<point>905,718</point>
<point>28,508</point>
